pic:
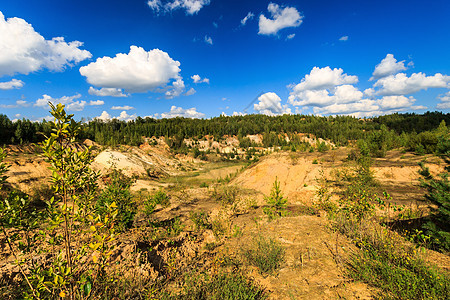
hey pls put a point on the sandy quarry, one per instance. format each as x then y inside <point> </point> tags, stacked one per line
<point>314,254</point>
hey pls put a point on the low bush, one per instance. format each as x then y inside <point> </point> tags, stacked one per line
<point>265,253</point>
<point>118,191</point>
<point>200,220</point>
<point>397,269</point>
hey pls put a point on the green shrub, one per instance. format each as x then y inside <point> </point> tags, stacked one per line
<point>266,254</point>
<point>227,195</point>
<point>224,285</point>
<point>160,198</point>
<point>200,220</point>
<point>396,269</point>
<point>322,147</point>
<point>118,191</point>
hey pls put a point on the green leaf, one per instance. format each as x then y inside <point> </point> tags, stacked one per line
<point>87,287</point>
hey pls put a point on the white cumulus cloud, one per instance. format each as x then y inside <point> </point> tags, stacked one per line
<point>388,66</point>
<point>396,102</point>
<point>105,116</point>
<point>123,116</point>
<point>66,100</point>
<point>401,84</point>
<point>12,84</point>
<point>103,92</point>
<point>270,104</point>
<point>197,79</point>
<point>249,16</point>
<point>191,6</point>
<point>71,102</point>
<point>208,40</point>
<point>364,105</point>
<point>190,92</point>
<point>445,101</point>
<point>280,18</point>
<point>23,50</point>
<point>96,103</point>
<point>322,78</point>
<point>137,71</point>
<point>176,89</point>
<point>181,112</point>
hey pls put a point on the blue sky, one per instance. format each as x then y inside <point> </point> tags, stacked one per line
<point>202,58</point>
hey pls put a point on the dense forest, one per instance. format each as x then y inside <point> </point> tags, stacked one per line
<point>417,132</point>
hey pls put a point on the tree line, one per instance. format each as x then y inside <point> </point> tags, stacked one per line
<point>416,132</point>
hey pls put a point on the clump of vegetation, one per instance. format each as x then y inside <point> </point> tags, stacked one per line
<point>225,194</point>
<point>223,285</point>
<point>266,254</point>
<point>438,192</point>
<point>118,191</point>
<point>200,220</point>
<point>276,202</point>
<point>323,194</point>
<point>160,198</point>
<point>397,269</point>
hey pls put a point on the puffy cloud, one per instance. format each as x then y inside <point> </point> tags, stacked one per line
<point>291,36</point>
<point>23,50</point>
<point>395,102</point>
<point>76,106</point>
<point>347,93</point>
<point>137,71</point>
<point>341,94</point>
<point>124,116</point>
<point>281,18</point>
<point>13,84</point>
<point>19,103</point>
<point>68,101</point>
<point>401,84</point>
<point>176,90</point>
<point>347,108</point>
<point>322,78</point>
<point>343,38</point>
<point>103,92</point>
<point>197,79</point>
<point>191,91</point>
<point>270,104</point>
<point>105,116</point>
<point>329,91</point>
<point>445,101</point>
<point>370,92</point>
<point>388,66</point>
<point>311,97</point>
<point>125,107</point>
<point>181,112</point>
<point>191,6</point>
<point>96,103</point>
<point>208,40</point>
<point>249,16</point>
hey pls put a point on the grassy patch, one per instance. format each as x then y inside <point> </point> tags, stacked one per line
<point>397,270</point>
<point>224,285</point>
<point>266,254</point>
